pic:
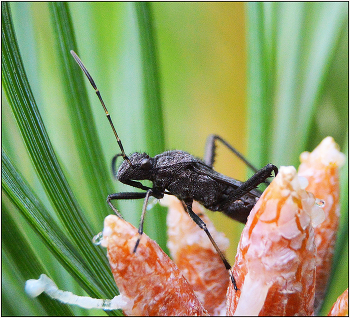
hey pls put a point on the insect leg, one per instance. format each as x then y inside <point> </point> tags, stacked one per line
<point>254,181</point>
<point>203,226</point>
<point>144,208</point>
<point>123,196</point>
<point>131,196</point>
<point>210,147</point>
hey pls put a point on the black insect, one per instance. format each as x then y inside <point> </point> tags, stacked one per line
<point>180,174</point>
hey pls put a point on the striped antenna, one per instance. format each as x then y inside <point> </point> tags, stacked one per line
<point>80,63</point>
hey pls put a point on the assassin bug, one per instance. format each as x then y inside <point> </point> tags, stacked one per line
<point>180,174</point>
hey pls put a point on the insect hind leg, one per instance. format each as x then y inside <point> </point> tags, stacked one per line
<point>258,178</point>
<point>210,147</point>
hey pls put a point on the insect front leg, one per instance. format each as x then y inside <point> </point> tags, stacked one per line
<point>203,226</point>
<point>131,196</point>
<point>144,208</point>
<point>123,196</point>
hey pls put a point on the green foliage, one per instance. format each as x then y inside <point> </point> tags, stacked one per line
<point>154,68</point>
<point>293,58</point>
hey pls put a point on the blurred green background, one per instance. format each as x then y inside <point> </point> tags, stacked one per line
<point>270,78</point>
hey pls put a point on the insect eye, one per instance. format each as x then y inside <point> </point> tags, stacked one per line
<point>146,164</point>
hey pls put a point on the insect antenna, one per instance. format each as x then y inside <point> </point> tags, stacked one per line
<point>80,63</point>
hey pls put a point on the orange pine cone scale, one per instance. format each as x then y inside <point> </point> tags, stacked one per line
<point>341,306</point>
<point>196,257</point>
<point>148,278</point>
<point>275,262</point>
<point>320,167</point>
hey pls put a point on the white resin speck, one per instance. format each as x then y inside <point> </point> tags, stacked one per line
<point>34,287</point>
